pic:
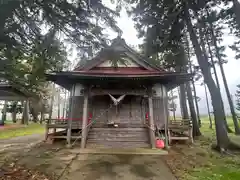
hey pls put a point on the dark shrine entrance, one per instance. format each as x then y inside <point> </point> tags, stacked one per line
<point>129,112</point>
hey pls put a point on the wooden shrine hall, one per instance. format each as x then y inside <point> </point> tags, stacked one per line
<point>116,106</point>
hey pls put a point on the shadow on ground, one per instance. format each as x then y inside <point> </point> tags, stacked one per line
<point>65,164</point>
<point>106,167</point>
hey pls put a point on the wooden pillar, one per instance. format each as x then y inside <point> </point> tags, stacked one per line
<point>84,121</point>
<point>69,130</point>
<point>165,113</point>
<point>160,108</point>
<point>151,122</point>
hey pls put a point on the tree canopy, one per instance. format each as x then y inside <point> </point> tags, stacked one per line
<point>167,25</point>
<point>34,34</point>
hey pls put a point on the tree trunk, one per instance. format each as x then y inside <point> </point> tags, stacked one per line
<point>195,93</point>
<point>41,117</point>
<point>4,113</point>
<point>221,131</point>
<point>196,104</point>
<point>212,62</point>
<point>236,8</point>
<point>215,72</point>
<point>208,108</point>
<point>14,112</point>
<point>205,89</point>
<point>195,120</point>
<point>14,117</point>
<point>23,106</point>
<point>183,101</point>
<point>25,117</point>
<point>35,117</point>
<point>234,115</point>
<point>196,130</point>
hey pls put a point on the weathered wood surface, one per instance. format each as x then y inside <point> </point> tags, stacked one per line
<point>75,125</point>
<point>151,127</point>
<point>158,112</point>
<point>77,109</point>
<point>129,111</point>
<point>121,125</point>
<point>100,105</point>
<point>135,92</point>
<point>118,137</point>
<point>180,130</point>
<point>85,121</point>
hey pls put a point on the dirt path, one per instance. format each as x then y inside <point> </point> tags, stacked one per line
<point>119,167</point>
<point>9,148</point>
<point>60,163</point>
<point>20,142</point>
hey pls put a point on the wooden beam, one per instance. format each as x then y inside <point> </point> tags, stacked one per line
<point>151,122</point>
<point>84,122</point>
<point>99,91</point>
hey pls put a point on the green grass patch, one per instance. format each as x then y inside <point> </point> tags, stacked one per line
<point>22,131</point>
<point>216,166</point>
<point>200,162</point>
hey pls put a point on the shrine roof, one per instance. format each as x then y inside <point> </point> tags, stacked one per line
<point>67,79</point>
<point>134,69</point>
<point>121,50</point>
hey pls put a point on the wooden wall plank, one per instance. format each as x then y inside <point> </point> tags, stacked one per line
<point>158,112</point>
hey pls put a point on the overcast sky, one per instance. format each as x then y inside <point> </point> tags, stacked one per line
<point>232,68</point>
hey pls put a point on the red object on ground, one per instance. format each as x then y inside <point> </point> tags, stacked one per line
<point>147,116</point>
<point>160,144</point>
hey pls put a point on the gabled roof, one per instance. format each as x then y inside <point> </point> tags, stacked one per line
<point>99,70</point>
<point>119,46</point>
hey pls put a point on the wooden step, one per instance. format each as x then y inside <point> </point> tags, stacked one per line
<point>109,144</point>
<point>118,129</point>
<point>118,134</point>
<point>119,137</point>
<point>121,125</point>
<point>103,140</point>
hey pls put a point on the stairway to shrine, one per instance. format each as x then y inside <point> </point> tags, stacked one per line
<point>121,137</point>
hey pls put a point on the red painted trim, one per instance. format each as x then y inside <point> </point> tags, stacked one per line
<point>120,72</point>
<point>120,68</point>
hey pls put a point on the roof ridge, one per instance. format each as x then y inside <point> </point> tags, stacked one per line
<point>116,42</point>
